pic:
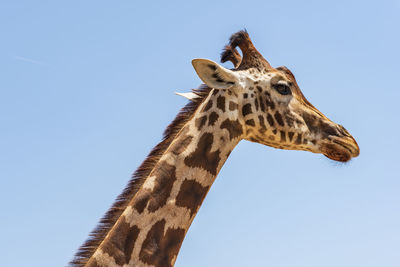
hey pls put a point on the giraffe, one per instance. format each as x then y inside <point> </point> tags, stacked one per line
<point>255,102</point>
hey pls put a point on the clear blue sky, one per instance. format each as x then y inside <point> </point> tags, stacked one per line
<point>87,88</point>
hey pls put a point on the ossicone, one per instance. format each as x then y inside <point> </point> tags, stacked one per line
<point>251,58</point>
<point>232,55</point>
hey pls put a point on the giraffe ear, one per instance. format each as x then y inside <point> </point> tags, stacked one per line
<point>214,75</point>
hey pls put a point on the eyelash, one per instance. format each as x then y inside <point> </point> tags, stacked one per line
<point>283,89</point>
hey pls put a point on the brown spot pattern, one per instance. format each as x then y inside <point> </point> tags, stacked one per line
<point>181,145</point>
<point>278,118</point>
<point>200,122</point>
<point>202,157</point>
<point>208,106</point>
<point>246,110</point>
<point>191,195</point>
<point>120,244</point>
<point>233,106</point>
<point>165,178</point>
<point>289,120</point>
<point>263,127</point>
<point>159,249</point>
<point>221,103</point>
<point>234,128</point>
<point>314,142</point>
<point>328,129</point>
<point>290,135</point>
<point>268,101</point>
<point>298,139</point>
<point>212,118</point>
<point>316,125</point>
<point>262,105</point>
<point>270,119</point>
<point>251,122</point>
<point>283,136</point>
<point>141,199</point>
<point>165,174</point>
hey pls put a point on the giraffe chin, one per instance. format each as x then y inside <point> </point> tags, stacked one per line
<point>336,152</point>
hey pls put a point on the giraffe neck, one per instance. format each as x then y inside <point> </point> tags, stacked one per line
<point>152,227</point>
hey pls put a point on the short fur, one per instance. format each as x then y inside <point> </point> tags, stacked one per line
<point>138,178</point>
<point>232,55</point>
<point>241,39</point>
<point>251,58</point>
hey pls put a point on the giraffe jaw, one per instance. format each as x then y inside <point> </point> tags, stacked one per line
<point>340,149</point>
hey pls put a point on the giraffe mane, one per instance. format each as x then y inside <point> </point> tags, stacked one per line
<point>139,176</point>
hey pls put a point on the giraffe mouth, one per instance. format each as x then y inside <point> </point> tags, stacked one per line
<point>341,149</point>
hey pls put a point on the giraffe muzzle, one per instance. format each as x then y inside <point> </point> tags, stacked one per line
<point>340,149</point>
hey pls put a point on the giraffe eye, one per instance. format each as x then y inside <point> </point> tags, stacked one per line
<point>283,89</point>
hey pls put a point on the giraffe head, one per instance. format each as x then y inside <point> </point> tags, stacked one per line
<point>272,108</point>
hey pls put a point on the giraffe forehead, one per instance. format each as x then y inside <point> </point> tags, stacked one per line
<point>265,79</point>
<point>281,75</point>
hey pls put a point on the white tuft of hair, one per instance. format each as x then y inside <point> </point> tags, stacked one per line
<point>189,95</point>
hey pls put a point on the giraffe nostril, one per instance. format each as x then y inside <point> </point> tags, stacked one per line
<point>343,131</point>
<point>329,129</point>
